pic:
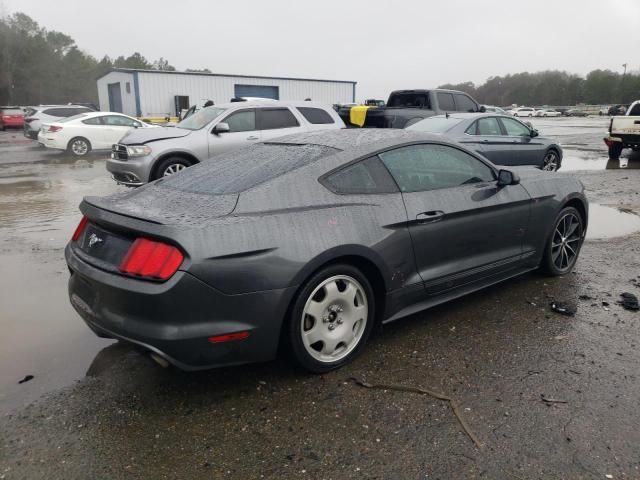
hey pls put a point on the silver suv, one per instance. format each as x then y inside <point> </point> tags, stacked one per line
<point>36,116</point>
<point>144,155</point>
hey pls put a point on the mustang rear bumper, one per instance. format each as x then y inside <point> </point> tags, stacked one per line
<point>174,319</point>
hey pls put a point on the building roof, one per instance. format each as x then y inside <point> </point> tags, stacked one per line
<point>133,70</point>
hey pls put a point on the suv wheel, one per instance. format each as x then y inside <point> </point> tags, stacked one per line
<point>170,166</point>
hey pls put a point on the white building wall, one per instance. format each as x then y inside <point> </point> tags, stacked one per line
<point>157,90</point>
<point>128,94</point>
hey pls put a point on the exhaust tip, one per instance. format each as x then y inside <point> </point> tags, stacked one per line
<point>159,360</point>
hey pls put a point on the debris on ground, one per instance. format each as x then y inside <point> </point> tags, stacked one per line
<point>549,401</point>
<point>585,297</point>
<point>26,379</point>
<point>629,301</point>
<point>423,391</point>
<point>564,308</point>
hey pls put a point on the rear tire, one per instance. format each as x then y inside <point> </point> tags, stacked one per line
<point>331,319</point>
<point>170,166</point>
<point>79,146</point>
<point>551,161</point>
<point>615,151</point>
<point>563,245</point>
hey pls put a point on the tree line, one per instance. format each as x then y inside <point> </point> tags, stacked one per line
<point>45,66</point>
<point>553,87</point>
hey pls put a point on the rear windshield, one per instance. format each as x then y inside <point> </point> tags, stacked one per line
<point>410,100</point>
<point>201,118</point>
<point>245,168</point>
<point>12,111</point>
<point>435,124</point>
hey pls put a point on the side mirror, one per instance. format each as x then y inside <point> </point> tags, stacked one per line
<point>221,127</point>
<point>507,177</point>
<point>534,133</point>
<point>482,109</point>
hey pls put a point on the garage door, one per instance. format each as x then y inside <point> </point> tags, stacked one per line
<point>262,91</point>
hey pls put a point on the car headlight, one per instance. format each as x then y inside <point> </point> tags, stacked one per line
<point>138,150</point>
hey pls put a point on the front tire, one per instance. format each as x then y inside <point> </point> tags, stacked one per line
<point>170,166</point>
<point>331,319</point>
<point>563,245</point>
<point>79,146</point>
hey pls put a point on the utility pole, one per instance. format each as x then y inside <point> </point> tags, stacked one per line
<point>624,72</point>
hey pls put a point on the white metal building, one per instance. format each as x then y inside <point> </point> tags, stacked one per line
<point>153,93</point>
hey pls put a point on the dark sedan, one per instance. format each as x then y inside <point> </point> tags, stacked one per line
<point>501,138</point>
<point>305,242</point>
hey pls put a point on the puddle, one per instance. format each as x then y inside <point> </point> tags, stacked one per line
<point>608,222</point>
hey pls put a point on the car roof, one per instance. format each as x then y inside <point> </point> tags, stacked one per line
<point>469,115</point>
<point>273,103</point>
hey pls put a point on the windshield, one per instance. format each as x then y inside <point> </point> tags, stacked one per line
<point>435,124</point>
<point>68,119</point>
<point>200,118</point>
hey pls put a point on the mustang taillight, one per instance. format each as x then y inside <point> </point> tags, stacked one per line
<point>151,259</point>
<point>79,229</point>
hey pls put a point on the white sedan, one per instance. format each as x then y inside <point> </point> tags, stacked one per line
<point>88,131</point>
<point>547,112</point>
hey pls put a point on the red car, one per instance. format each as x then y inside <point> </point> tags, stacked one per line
<point>11,117</point>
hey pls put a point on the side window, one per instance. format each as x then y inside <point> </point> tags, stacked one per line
<point>273,118</point>
<point>489,126</point>
<point>635,111</point>
<point>445,101</point>
<point>317,116</point>
<point>242,121</point>
<point>365,177</point>
<point>465,104</point>
<point>430,167</point>
<point>117,121</point>
<point>55,112</point>
<point>93,121</point>
<point>514,128</point>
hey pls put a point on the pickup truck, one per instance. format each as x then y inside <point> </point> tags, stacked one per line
<point>624,131</point>
<point>406,107</point>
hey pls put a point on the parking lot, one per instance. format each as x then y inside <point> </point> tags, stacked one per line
<point>546,395</point>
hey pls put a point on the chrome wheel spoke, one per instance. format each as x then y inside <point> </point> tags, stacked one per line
<point>314,335</point>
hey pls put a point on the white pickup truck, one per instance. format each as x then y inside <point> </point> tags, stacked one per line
<point>624,131</point>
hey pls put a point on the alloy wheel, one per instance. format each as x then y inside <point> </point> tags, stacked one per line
<point>550,162</point>
<point>173,168</point>
<point>79,147</point>
<point>334,318</point>
<point>565,243</point>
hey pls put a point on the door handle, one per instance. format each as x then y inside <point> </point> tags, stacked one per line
<point>252,137</point>
<point>485,140</point>
<point>430,217</point>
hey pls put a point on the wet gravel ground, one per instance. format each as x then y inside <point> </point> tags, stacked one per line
<point>109,412</point>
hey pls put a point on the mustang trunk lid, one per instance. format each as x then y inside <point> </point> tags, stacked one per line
<point>167,206</point>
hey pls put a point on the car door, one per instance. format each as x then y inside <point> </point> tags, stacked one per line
<point>525,149</point>
<point>488,138</point>
<point>92,129</point>
<point>115,127</point>
<point>242,132</point>
<point>276,122</point>
<point>464,227</point>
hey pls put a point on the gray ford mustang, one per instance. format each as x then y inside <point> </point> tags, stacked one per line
<point>305,242</point>
<point>501,138</point>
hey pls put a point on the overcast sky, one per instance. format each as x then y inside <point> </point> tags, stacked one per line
<point>381,45</point>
